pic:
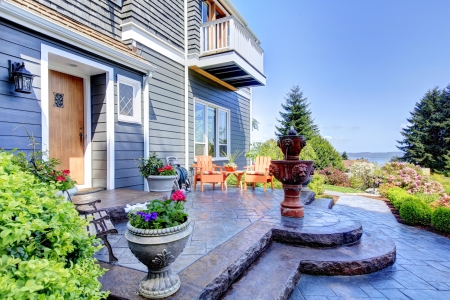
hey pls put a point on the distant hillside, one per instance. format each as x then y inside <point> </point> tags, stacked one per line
<point>378,157</point>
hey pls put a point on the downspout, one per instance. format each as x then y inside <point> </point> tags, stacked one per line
<point>146,99</point>
<point>186,86</point>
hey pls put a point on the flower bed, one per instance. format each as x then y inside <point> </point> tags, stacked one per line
<point>419,200</point>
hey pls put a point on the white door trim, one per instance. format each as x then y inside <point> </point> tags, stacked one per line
<point>45,66</point>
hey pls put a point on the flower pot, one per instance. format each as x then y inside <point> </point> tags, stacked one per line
<point>230,169</point>
<point>69,193</point>
<point>161,184</point>
<point>158,249</point>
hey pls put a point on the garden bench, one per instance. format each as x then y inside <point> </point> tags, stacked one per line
<point>100,224</point>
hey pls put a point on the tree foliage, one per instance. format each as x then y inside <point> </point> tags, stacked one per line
<point>344,155</point>
<point>427,139</point>
<point>297,114</point>
<point>326,154</point>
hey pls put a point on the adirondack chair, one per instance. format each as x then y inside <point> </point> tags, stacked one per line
<point>259,172</point>
<point>207,172</point>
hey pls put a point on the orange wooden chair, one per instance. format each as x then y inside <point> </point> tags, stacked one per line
<point>206,172</point>
<point>259,172</point>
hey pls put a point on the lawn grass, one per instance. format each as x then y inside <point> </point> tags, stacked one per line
<point>340,189</point>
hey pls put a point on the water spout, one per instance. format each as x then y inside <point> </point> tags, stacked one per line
<point>286,155</point>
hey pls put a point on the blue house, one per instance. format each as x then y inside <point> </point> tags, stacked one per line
<point>114,80</point>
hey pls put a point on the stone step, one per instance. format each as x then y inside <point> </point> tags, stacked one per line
<point>210,276</point>
<point>324,203</point>
<point>281,266</point>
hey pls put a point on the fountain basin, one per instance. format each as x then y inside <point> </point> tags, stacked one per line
<point>291,145</point>
<point>291,171</point>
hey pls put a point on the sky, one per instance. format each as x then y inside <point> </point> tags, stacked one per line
<point>362,64</point>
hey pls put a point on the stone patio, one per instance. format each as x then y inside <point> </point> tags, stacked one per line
<point>422,269</point>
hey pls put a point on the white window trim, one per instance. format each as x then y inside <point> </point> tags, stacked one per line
<point>137,100</point>
<point>208,104</point>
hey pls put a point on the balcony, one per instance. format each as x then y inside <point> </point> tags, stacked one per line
<point>231,53</point>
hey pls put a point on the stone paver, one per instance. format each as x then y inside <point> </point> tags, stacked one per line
<point>422,269</point>
<point>216,217</point>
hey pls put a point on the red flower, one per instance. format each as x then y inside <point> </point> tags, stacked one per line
<point>60,178</point>
<point>66,172</point>
<point>160,169</point>
<point>168,168</point>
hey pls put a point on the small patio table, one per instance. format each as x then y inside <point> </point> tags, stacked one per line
<point>237,174</point>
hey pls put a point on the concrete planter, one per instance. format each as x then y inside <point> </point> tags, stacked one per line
<point>71,192</point>
<point>161,184</point>
<point>158,249</point>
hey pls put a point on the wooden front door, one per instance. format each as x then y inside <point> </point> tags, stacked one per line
<point>66,123</point>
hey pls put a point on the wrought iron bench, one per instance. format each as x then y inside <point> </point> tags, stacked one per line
<point>100,224</point>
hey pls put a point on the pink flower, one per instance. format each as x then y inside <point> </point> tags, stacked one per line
<point>66,172</point>
<point>160,170</point>
<point>178,196</point>
<point>168,168</point>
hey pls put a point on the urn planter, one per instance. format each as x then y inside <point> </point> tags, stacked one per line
<point>158,249</point>
<point>161,184</point>
<point>68,193</point>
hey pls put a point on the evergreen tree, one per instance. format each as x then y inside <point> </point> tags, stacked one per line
<point>344,155</point>
<point>427,139</point>
<point>296,114</point>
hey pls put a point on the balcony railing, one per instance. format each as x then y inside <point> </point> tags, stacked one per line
<point>228,34</point>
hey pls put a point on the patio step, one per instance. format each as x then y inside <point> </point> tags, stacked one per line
<point>323,203</point>
<point>281,266</point>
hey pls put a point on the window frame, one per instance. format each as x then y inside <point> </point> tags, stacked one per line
<point>205,122</point>
<point>137,100</point>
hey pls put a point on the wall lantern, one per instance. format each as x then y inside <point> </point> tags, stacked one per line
<point>23,79</point>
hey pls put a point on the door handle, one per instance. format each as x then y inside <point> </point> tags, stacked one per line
<point>81,136</point>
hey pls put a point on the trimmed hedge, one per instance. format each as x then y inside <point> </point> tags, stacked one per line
<point>415,212</point>
<point>441,219</point>
<point>45,251</point>
<point>397,196</point>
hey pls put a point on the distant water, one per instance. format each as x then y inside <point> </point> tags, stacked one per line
<point>378,158</point>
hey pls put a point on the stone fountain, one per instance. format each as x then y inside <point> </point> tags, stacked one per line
<point>292,173</point>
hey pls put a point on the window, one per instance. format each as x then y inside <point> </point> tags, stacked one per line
<point>129,100</point>
<point>211,130</point>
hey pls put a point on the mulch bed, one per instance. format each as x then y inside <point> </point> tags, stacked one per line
<point>399,219</point>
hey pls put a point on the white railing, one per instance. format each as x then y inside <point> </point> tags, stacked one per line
<point>228,34</point>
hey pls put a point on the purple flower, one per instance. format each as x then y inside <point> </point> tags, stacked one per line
<point>148,217</point>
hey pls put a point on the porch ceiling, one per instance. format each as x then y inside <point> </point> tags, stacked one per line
<point>232,74</point>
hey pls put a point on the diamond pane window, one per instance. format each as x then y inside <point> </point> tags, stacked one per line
<point>128,100</point>
<point>125,99</point>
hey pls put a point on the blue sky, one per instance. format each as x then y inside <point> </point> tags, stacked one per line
<point>362,64</point>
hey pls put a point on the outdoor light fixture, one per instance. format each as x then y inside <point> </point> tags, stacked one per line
<point>23,79</point>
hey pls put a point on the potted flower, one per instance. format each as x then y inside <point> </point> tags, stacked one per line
<point>231,166</point>
<point>160,178</point>
<point>157,233</point>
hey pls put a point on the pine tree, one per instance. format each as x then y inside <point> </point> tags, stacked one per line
<point>427,139</point>
<point>296,114</point>
<point>344,155</point>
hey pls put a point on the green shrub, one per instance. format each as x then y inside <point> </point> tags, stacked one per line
<point>45,251</point>
<point>415,212</point>
<point>397,196</point>
<point>317,184</point>
<point>441,219</point>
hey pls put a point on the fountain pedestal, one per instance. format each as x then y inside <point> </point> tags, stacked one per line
<point>291,172</point>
